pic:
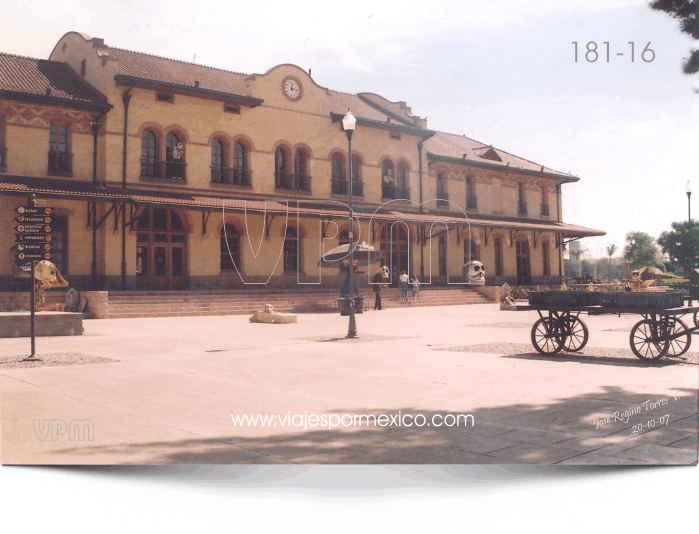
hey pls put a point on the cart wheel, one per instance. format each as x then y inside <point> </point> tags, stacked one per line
<point>547,336</point>
<point>696,318</point>
<point>646,342</point>
<point>678,346</point>
<point>576,335</point>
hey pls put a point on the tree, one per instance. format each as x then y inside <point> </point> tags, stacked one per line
<point>640,250</point>
<point>687,13</point>
<point>681,244</point>
<point>611,249</point>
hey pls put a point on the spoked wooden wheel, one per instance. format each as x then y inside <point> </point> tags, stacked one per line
<point>547,336</point>
<point>679,345</point>
<point>647,341</point>
<point>576,334</point>
<point>696,318</point>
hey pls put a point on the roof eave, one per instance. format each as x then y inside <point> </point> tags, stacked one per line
<point>450,159</point>
<point>393,126</point>
<point>249,101</point>
<point>54,101</point>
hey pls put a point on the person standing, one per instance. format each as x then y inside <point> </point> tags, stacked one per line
<point>379,279</point>
<point>404,284</point>
<point>415,286</point>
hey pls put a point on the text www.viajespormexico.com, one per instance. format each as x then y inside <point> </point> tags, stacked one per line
<point>306,420</point>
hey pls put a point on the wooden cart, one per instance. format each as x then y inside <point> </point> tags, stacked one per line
<point>660,333</point>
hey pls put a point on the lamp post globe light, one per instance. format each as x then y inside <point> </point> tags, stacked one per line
<point>349,122</point>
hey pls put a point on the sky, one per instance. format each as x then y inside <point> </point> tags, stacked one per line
<point>499,71</point>
<point>502,72</point>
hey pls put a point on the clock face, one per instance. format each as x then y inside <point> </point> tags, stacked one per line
<point>292,88</point>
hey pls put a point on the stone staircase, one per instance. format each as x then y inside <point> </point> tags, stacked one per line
<point>134,304</point>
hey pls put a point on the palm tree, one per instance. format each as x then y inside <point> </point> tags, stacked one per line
<point>611,249</point>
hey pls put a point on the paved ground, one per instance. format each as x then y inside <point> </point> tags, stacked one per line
<point>173,384</point>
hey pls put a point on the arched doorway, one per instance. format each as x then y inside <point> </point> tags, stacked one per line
<point>161,250</point>
<point>394,248</point>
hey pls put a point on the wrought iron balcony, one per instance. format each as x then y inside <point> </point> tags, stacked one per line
<point>231,176</point>
<point>442,199</point>
<point>471,202</point>
<point>341,187</point>
<point>544,210</point>
<point>60,162</point>
<point>155,168</point>
<point>292,182</point>
<point>392,192</point>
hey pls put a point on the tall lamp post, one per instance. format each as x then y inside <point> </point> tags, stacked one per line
<point>688,189</point>
<point>348,124</point>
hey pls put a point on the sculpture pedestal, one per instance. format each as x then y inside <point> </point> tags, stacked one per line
<point>18,324</point>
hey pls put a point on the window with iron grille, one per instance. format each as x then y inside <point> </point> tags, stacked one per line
<point>59,242</point>
<point>149,153</point>
<point>59,158</point>
<point>497,244</point>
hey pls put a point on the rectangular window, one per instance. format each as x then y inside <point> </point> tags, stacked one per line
<point>59,157</point>
<point>59,242</point>
<point>471,200</point>
<point>442,256</point>
<point>231,108</point>
<point>395,135</point>
<point>3,163</point>
<point>497,244</point>
<point>545,258</point>
<point>521,200</point>
<point>165,97</point>
<point>83,68</point>
<point>544,202</point>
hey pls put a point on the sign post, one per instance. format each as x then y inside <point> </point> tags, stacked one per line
<point>33,240</point>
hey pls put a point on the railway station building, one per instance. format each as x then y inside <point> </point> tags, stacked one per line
<point>172,175</point>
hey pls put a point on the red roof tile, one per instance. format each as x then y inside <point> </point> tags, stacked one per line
<point>160,69</point>
<point>43,78</point>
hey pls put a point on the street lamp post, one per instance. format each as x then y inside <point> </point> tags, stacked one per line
<point>688,189</point>
<point>348,124</point>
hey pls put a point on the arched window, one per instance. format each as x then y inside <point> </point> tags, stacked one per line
<point>292,261</point>
<point>149,153</point>
<point>217,171</point>
<point>302,180</point>
<point>357,186</point>
<point>241,171</point>
<point>402,190</point>
<point>388,189</point>
<point>174,157</point>
<point>339,178</point>
<point>282,180</point>
<point>230,248</point>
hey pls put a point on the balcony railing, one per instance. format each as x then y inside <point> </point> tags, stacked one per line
<point>471,203</point>
<point>231,176</point>
<point>393,192</point>
<point>442,199</point>
<point>292,182</point>
<point>155,168</point>
<point>522,208</point>
<point>3,156</point>
<point>59,162</point>
<point>341,187</point>
<point>544,210</point>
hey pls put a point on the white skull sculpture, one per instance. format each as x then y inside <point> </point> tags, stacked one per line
<point>475,272</point>
<point>269,308</point>
<point>635,276</point>
<point>384,271</point>
<point>45,271</point>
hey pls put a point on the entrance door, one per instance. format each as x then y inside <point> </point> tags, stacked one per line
<point>524,276</point>
<point>394,248</point>
<point>161,250</point>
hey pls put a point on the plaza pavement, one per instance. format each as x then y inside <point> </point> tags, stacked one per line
<point>169,394</point>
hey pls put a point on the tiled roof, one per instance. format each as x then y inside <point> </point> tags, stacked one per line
<point>456,146</point>
<point>54,188</point>
<point>166,70</point>
<point>46,79</point>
